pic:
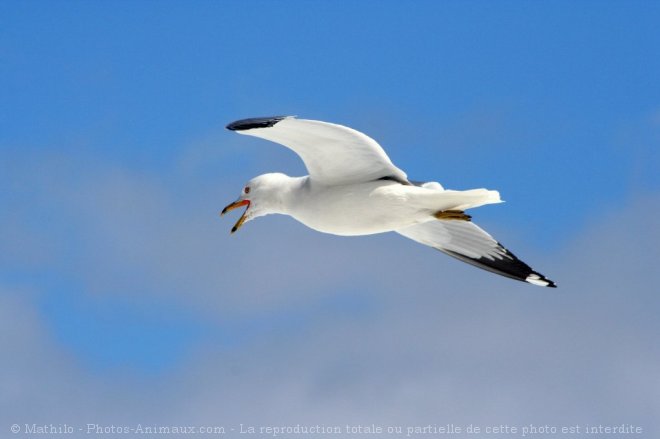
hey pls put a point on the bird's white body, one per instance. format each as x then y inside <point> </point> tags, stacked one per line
<point>354,189</point>
<point>371,207</point>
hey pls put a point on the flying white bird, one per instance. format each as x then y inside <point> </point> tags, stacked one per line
<point>354,189</point>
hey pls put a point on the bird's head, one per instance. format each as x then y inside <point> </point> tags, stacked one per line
<point>262,195</point>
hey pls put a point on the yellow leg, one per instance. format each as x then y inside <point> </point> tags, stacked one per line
<point>452,215</point>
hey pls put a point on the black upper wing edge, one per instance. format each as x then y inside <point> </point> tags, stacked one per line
<point>510,266</point>
<point>255,122</point>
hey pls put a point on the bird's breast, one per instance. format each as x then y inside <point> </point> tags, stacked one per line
<point>362,209</point>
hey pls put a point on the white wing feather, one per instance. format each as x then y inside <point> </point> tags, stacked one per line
<point>333,154</point>
<point>469,243</point>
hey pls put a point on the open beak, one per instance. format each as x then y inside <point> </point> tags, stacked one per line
<point>236,205</point>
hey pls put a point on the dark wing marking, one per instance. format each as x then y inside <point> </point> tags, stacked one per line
<point>469,243</point>
<point>396,179</point>
<point>254,122</point>
<point>510,267</point>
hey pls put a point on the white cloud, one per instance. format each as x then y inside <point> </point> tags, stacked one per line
<point>438,342</point>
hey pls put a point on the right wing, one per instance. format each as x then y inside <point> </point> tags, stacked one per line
<point>466,241</point>
<point>333,154</point>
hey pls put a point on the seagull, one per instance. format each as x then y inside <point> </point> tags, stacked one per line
<point>354,189</point>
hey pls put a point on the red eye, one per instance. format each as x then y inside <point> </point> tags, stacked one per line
<point>246,190</point>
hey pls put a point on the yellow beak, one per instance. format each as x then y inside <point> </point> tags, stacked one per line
<point>236,205</point>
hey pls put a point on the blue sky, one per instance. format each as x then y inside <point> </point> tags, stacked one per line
<point>115,163</point>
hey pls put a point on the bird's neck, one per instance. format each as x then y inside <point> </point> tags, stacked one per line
<point>289,191</point>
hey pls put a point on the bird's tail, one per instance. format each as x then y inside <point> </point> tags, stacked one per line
<point>440,199</point>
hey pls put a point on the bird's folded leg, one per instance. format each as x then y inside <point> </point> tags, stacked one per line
<point>452,215</point>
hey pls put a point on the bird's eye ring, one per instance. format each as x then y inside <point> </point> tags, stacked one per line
<point>246,189</point>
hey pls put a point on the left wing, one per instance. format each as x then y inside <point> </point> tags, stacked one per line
<point>333,154</point>
<point>469,243</point>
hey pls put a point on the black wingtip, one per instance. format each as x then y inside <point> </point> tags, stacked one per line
<point>255,122</point>
<point>509,266</point>
<point>536,278</point>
